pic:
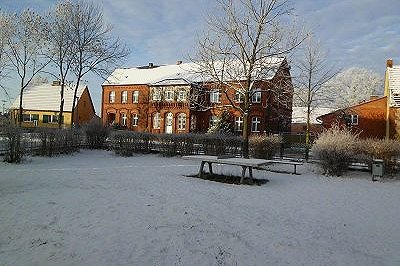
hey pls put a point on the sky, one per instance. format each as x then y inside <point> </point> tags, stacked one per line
<point>356,33</point>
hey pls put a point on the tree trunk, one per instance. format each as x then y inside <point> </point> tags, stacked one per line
<point>20,116</point>
<point>61,106</point>
<point>245,135</point>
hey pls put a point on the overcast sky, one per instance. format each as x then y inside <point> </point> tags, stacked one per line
<point>362,33</point>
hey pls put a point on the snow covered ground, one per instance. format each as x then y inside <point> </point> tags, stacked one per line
<point>95,208</point>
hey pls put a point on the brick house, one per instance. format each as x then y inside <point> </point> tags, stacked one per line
<point>378,117</point>
<point>41,106</point>
<point>177,99</point>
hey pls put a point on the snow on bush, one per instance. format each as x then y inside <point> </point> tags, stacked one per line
<point>264,146</point>
<point>335,148</point>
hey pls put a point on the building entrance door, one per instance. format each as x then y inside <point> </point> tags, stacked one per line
<point>168,123</point>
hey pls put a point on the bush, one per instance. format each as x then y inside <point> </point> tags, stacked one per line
<point>14,143</point>
<point>335,148</point>
<point>386,150</point>
<point>126,143</point>
<point>264,146</point>
<point>57,141</point>
<point>96,135</point>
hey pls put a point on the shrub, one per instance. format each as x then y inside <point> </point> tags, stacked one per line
<point>386,150</point>
<point>264,146</point>
<point>96,135</point>
<point>14,143</point>
<point>57,141</point>
<point>126,143</point>
<point>335,148</point>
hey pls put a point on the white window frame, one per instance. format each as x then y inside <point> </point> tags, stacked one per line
<point>238,97</point>
<point>181,95</point>
<point>31,119</point>
<point>182,121</point>
<point>169,95</point>
<point>156,121</point>
<point>354,119</point>
<point>255,124</point>
<point>193,122</point>
<point>256,96</point>
<point>135,120</point>
<point>238,123</point>
<point>213,120</point>
<point>111,97</point>
<point>124,96</point>
<point>156,94</point>
<point>135,96</point>
<point>215,96</point>
<point>124,119</point>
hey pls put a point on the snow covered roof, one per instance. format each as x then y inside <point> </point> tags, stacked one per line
<point>299,114</point>
<point>394,85</point>
<point>187,71</point>
<point>46,97</point>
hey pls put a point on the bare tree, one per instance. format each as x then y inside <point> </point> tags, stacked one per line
<point>241,46</point>
<point>353,86</point>
<point>61,43</point>
<point>314,72</point>
<point>26,49</point>
<point>95,50</point>
<point>5,33</point>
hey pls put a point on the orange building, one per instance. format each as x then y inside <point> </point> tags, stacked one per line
<point>176,99</point>
<point>379,117</point>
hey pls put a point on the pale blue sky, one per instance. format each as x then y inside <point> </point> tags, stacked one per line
<point>362,33</point>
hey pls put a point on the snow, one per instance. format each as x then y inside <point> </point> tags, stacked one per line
<point>95,208</point>
<point>299,114</point>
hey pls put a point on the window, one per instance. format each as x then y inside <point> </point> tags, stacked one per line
<point>123,119</point>
<point>255,124</point>
<point>135,120</point>
<point>156,94</point>
<point>214,96</point>
<point>181,121</point>
<point>238,97</point>
<point>111,97</point>
<point>135,97</point>
<point>30,117</point>
<point>193,122</point>
<point>256,96</point>
<point>213,120</point>
<point>156,120</point>
<point>169,95</point>
<point>124,97</point>
<point>181,95</point>
<point>238,123</point>
<point>354,119</point>
<point>50,118</point>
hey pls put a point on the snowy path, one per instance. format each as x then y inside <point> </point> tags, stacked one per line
<point>95,208</point>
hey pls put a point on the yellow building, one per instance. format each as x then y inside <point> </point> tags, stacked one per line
<point>41,105</point>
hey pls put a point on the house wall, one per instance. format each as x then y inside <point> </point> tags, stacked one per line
<point>371,119</point>
<point>84,110</point>
<point>66,115</point>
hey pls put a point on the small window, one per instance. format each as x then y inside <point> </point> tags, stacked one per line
<point>213,120</point>
<point>30,117</point>
<point>156,120</point>
<point>193,122</point>
<point>123,119</point>
<point>124,97</point>
<point>354,119</point>
<point>181,121</point>
<point>46,118</point>
<point>135,120</point>
<point>256,96</point>
<point>111,97</point>
<point>135,97</point>
<point>181,95</point>
<point>169,95</point>
<point>255,124</point>
<point>238,97</point>
<point>239,123</point>
<point>214,96</point>
<point>156,94</point>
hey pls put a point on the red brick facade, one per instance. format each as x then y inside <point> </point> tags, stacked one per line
<point>174,112</point>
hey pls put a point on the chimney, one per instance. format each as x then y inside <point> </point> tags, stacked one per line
<point>56,83</point>
<point>389,63</point>
<point>178,62</point>
<point>151,65</point>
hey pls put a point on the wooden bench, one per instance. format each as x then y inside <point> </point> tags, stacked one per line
<point>244,163</point>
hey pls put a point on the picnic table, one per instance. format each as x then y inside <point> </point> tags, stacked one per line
<point>243,162</point>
